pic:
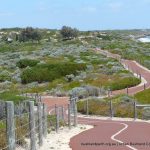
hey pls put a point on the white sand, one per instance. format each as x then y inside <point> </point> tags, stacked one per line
<point>60,141</point>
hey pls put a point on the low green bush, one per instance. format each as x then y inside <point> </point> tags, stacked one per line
<point>23,63</point>
<point>96,107</point>
<point>21,131</point>
<point>11,96</point>
<point>17,46</point>
<point>102,107</point>
<point>5,76</point>
<point>123,83</point>
<point>49,72</point>
<point>143,97</point>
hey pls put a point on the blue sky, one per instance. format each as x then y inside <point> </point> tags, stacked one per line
<point>82,14</point>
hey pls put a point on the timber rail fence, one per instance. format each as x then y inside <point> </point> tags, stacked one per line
<point>26,125</point>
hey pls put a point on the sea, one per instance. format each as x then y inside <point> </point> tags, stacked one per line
<point>145,39</point>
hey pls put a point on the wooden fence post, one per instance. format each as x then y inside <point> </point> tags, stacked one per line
<point>127,90</point>
<point>40,98</point>
<point>71,106</point>
<point>144,86</point>
<point>57,119</point>
<point>40,128</point>
<point>55,109</point>
<point>10,125</point>
<point>62,109</point>
<point>111,109</point>
<point>32,126</point>
<point>75,112</point>
<point>32,95</point>
<point>69,116</point>
<point>140,77</point>
<point>45,120</point>
<point>135,111</point>
<point>35,97</point>
<point>87,107</point>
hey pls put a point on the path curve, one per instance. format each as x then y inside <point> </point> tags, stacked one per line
<point>114,132</point>
<point>119,132</point>
<point>112,135</point>
<point>135,68</point>
<point>132,136</point>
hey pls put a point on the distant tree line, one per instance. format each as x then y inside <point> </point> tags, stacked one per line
<point>29,34</point>
<point>32,34</point>
<point>69,33</point>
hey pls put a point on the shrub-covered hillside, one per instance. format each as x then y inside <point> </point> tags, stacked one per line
<point>58,62</point>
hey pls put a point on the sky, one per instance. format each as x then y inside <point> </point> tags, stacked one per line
<point>81,14</point>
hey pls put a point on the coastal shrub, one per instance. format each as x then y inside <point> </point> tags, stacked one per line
<point>102,107</point>
<point>5,76</point>
<point>49,72</point>
<point>123,110</point>
<point>123,83</point>
<point>11,96</point>
<point>146,113</point>
<point>147,63</point>
<point>15,46</point>
<point>21,132</point>
<point>96,107</point>
<point>143,97</point>
<point>23,63</point>
<point>85,91</point>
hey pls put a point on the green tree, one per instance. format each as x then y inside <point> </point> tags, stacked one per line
<point>28,34</point>
<point>68,32</point>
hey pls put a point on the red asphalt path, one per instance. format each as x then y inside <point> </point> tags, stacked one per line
<point>108,134</point>
<point>134,67</point>
<point>138,69</point>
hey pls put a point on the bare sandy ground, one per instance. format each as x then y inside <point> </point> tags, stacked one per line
<point>60,141</point>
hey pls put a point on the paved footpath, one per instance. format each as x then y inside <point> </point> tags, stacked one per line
<point>135,68</point>
<point>112,135</point>
<point>116,135</point>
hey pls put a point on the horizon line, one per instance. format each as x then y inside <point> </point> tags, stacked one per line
<point>119,29</point>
